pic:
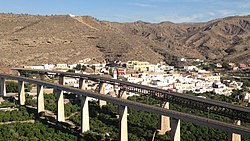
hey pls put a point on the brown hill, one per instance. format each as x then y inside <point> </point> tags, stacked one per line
<point>33,40</point>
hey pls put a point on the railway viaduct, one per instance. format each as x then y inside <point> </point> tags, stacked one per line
<point>234,112</point>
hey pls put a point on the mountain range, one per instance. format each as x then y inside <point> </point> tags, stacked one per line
<point>35,40</point>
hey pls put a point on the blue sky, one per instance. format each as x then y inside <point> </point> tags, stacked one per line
<point>133,10</point>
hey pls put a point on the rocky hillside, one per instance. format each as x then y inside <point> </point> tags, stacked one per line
<point>33,40</point>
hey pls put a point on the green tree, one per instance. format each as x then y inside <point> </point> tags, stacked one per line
<point>78,67</point>
<point>226,66</point>
<point>84,68</point>
<point>11,87</point>
<point>73,71</point>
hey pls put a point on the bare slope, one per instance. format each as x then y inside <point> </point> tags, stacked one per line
<point>33,40</point>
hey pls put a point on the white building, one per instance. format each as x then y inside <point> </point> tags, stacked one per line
<point>61,66</point>
<point>49,66</point>
<point>72,66</point>
<point>236,85</point>
<point>190,68</point>
<point>71,81</point>
<point>169,67</point>
<point>134,79</point>
<point>212,78</point>
<point>37,67</point>
<point>183,59</point>
<point>159,83</point>
<point>71,15</point>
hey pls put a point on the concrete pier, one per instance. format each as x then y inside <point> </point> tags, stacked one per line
<point>2,87</point>
<point>84,107</point>
<point>122,94</point>
<point>61,79</point>
<point>102,87</point>
<point>18,73</point>
<point>123,113</point>
<point>40,99</point>
<point>60,105</point>
<point>233,136</point>
<point>21,93</point>
<point>123,124</point>
<point>42,76</point>
<point>82,84</point>
<point>84,113</point>
<point>175,129</point>
<point>164,121</point>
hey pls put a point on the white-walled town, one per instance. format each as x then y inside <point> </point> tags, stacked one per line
<point>192,78</point>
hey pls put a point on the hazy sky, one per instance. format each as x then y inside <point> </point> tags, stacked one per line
<point>132,10</point>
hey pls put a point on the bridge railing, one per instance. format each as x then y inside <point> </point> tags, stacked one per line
<point>177,116</point>
<point>221,108</point>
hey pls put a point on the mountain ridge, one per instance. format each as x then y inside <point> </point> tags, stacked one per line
<point>35,40</point>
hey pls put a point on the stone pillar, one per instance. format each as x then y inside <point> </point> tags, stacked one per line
<point>102,88</point>
<point>233,136</point>
<point>21,93</point>
<point>40,99</point>
<point>122,94</point>
<point>60,105</point>
<point>82,83</point>
<point>42,76</point>
<point>3,87</point>
<point>175,130</point>
<point>164,121</point>
<point>84,107</point>
<point>84,113</point>
<point>123,113</point>
<point>18,73</point>
<point>61,79</point>
<point>123,125</point>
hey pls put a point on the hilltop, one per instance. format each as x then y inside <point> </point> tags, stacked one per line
<point>32,40</point>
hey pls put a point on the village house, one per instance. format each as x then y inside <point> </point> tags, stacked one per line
<point>73,66</point>
<point>218,65</point>
<point>190,68</point>
<point>49,66</point>
<point>71,81</point>
<point>61,66</point>
<point>243,66</point>
<point>183,59</point>
<point>34,67</point>
<point>169,67</point>
<point>144,67</point>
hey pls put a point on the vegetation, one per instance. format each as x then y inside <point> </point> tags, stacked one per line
<point>50,102</point>
<point>104,122</point>
<point>207,67</point>
<point>33,132</point>
<point>72,71</point>
<point>80,67</point>
<point>244,76</point>
<point>26,74</point>
<point>19,114</point>
<point>226,66</point>
<point>242,72</point>
<point>12,87</point>
<point>6,104</point>
<point>236,97</point>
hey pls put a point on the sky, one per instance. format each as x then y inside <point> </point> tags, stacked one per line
<point>154,11</point>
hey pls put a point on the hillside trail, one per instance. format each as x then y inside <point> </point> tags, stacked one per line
<point>83,22</point>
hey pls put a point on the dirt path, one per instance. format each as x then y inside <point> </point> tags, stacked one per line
<point>25,121</point>
<point>75,113</point>
<point>81,21</point>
